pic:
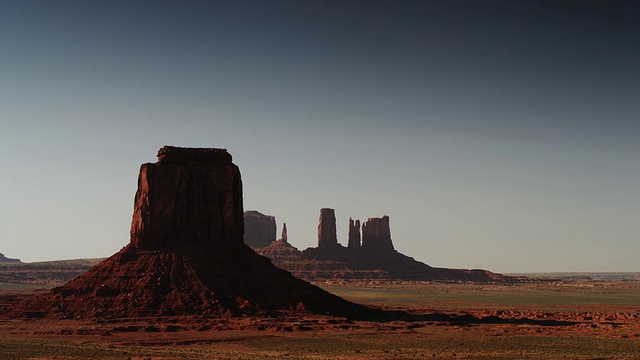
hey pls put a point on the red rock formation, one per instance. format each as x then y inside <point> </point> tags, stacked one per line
<point>327,237</point>
<point>282,251</point>
<point>186,255</point>
<point>354,234</point>
<point>376,235</point>
<point>376,259</point>
<point>190,197</point>
<point>259,229</point>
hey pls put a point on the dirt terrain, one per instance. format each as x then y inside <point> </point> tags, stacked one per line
<point>551,320</point>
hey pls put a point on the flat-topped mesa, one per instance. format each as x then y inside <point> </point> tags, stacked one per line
<point>190,197</point>
<point>327,237</point>
<point>181,155</point>
<point>354,234</point>
<point>376,235</point>
<point>259,229</point>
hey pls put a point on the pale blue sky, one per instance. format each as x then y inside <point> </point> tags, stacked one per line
<point>495,135</point>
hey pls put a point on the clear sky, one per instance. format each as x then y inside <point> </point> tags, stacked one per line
<point>501,135</point>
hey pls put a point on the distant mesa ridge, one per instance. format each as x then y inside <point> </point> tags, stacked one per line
<point>4,259</point>
<point>369,255</point>
<point>327,237</point>
<point>186,255</point>
<point>259,229</point>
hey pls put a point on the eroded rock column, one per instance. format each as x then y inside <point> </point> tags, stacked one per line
<point>354,234</point>
<point>376,234</point>
<point>327,237</point>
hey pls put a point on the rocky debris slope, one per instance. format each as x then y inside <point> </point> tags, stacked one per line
<point>186,255</point>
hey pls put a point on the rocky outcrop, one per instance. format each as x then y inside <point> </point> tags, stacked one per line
<point>4,259</point>
<point>186,255</point>
<point>327,237</point>
<point>189,198</point>
<point>354,234</point>
<point>376,235</point>
<point>372,259</point>
<point>259,229</point>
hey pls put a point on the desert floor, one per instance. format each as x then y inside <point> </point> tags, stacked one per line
<point>546,320</point>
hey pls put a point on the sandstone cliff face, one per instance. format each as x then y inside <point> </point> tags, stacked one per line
<point>259,229</point>
<point>186,255</point>
<point>327,237</point>
<point>190,197</point>
<point>376,235</point>
<point>354,234</point>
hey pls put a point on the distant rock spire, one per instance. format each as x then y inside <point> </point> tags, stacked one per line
<point>327,237</point>
<point>284,232</point>
<point>354,234</point>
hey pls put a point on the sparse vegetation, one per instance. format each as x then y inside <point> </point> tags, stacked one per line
<point>605,324</point>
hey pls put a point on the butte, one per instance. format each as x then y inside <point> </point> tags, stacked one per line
<point>186,255</point>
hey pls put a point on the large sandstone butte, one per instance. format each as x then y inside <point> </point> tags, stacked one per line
<point>259,229</point>
<point>186,255</point>
<point>373,258</point>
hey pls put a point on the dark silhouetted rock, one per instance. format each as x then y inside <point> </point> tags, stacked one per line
<point>327,237</point>
<point>283,236</point>
<point>259,229</point>
<point>376,235</point>
<point>186,255</point>
<point>375,259</point>
<point>354,234</point>
<point>4,259</point>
